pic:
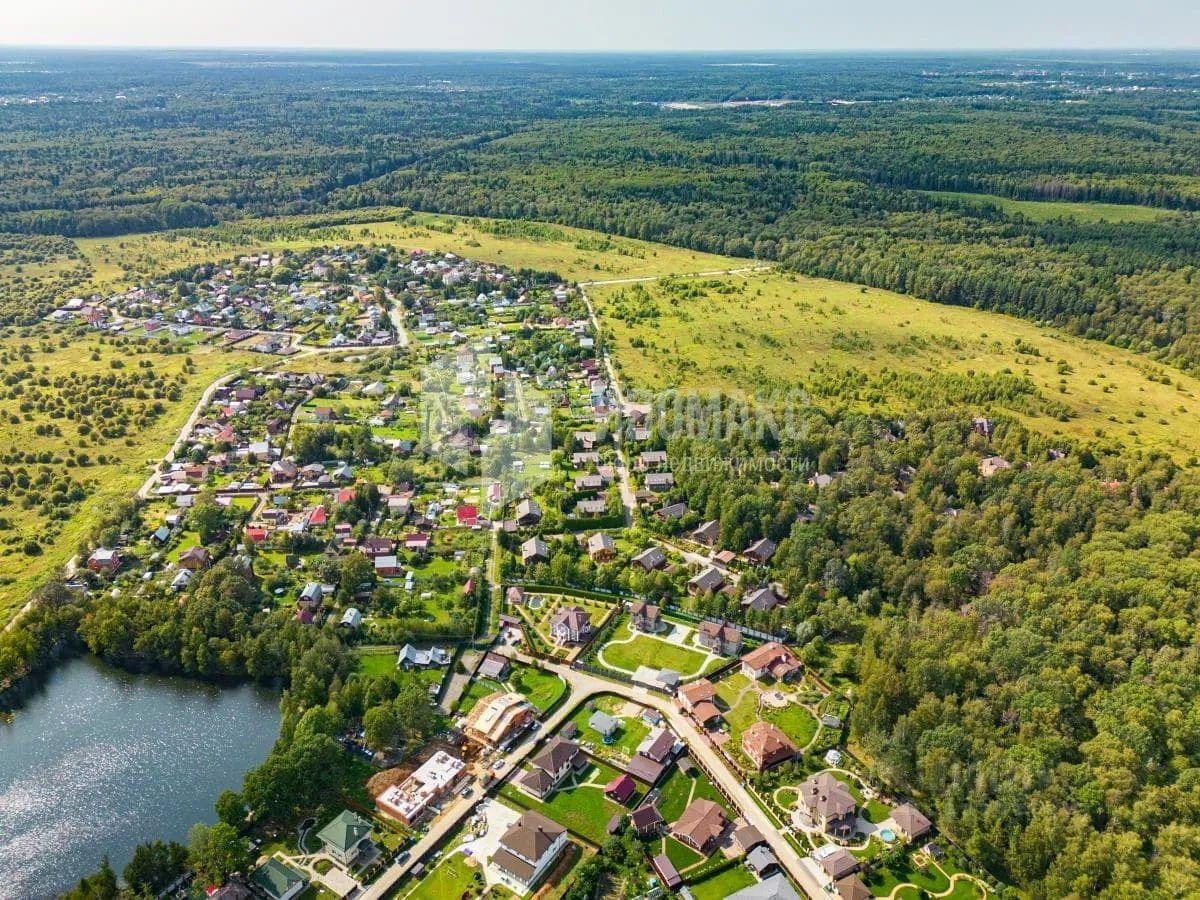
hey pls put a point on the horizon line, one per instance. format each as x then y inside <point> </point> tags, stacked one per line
<point>583,51</point>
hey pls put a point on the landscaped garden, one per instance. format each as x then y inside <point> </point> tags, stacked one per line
<point>579,806</point>
<point>679,789</point>
<point>623,744</point>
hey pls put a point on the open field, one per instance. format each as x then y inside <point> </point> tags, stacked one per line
<point>89,421</point>
<point>1047,210</point>
<point>868,348</point>
<point>573,253</point>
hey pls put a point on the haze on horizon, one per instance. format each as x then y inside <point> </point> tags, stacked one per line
<point>593,25</point>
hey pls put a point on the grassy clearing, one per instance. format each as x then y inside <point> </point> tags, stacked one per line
<point>127,459</point>
<point>542,689</point>
<point>874,349</point>
<point>1048,210</point>
<point>573,253</point>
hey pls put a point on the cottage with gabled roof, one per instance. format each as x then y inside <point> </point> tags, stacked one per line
<point>766,745</point>
<point>347,837</point>
<point>527,850</point>
<point>570,625</point>
<point>700,825</point>
<point>719,637</point>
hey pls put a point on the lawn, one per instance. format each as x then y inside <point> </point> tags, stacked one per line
<point>885,878</point>
<point>581,808</point>
<point>678,790</point>
<point>627,737</point>
<point>795,721</point>
<point>542,689</point>
<point>680,855</point>
<point>451,877</point>
<point>722,884</point>
<point>644,650</point>
<point>376,662</point>
<point>873,349</point>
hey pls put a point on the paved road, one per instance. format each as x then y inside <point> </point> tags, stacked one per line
<point>587,684</point>
<point>452,815</point>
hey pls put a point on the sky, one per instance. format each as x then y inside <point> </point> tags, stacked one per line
<point>606,24</point>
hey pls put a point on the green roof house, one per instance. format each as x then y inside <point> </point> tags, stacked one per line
<point>346,837</point>
<point>277,880</point>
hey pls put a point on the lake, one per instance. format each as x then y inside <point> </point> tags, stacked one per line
<point>100,761</point>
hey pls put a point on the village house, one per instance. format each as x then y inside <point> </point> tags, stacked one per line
<point>646,820</point>
<point>990,465</point>
<point>650,559</point>
<point>700,825</point>
<point>708,581</point>
<point>494,666</point>
<point>658,482</point>
<point>650,459</point>
<point>761,599</point>
<point>278,880</point>
<point>707,533</point>
<point>719,637</point>
<point>771,659</point>
<point>195,558</point>
<point>534,550</point>
<point>830,806</point>
<point>621,789</point>
<point>766,745</point>
<point>570,624</point>
<point>347,837</point>
<point>645,617</point>
<point>551,766</point>
<point>529,513</point>
<point>527,850</point>
<point>672,511</point>
<point>104,560</point>
<point>760,552</point>
<point>911,823</point>
<point>601,547</point>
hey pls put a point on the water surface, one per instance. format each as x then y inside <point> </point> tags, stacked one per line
<point>101,760</point>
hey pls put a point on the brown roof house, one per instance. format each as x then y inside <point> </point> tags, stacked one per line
<point>766,745</point>
<point>527,850</point>
<point>570,625</point>
<point>840,863</point>
<point>700,825</point>
<point>830,806</point>
<point>910,822</point>
<point>771,659</point>
<point>719,637</point>
<point>699,691</point>
<point>195,558</point>
<point>760,552</point>
<point>707,582</point>
<point>645,617</point>
<point>549,768</point>
<point>707,533</point>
